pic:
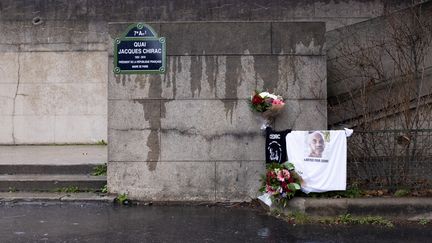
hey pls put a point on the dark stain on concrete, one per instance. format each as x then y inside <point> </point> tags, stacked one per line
<point>196,74</point>
<point>209,138</point>
<point>211,71</point>
<point>140,80</point>
<point>120,79</point>
<point>152,113</point>
<point>267,67</point>
<point>170,76</point>
<point>154,149</point>
<point>232,81</point>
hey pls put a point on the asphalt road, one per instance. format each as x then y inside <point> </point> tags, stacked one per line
<point>77,222</point>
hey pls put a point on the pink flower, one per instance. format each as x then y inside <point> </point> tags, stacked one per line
<point>270,190</point>
<point>280,176</point>
<point>286,174</point>
<point>277,102</point>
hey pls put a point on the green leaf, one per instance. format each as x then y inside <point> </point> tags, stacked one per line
<point>297,186</point>
<point>291,186</point>
<point>288,165</point>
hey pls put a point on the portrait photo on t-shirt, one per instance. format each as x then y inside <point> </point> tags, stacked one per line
<point>317,144</point>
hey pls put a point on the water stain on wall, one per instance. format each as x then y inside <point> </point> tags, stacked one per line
<point>232,82</point>
<point>266,69</point>
<point>196,75</point>
<point>153,115</point>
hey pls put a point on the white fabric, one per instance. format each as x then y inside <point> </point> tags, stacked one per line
<point>265,198</point>
<point>322,167</point>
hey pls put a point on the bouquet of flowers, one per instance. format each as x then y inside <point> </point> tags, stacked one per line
<point>269,105</point>
<point>280,183</point>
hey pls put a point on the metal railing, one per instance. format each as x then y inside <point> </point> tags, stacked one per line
<point>390,159</point>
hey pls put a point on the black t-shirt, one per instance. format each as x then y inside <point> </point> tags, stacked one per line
<point>275,146</point>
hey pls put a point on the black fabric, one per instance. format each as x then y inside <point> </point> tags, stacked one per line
<point>275,146</point>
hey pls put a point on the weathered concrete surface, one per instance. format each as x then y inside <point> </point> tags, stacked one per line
<point>210,181</point>
<point>390,207</point>
<point>39,97</point>
<point>364,67</point>
<point>163,181</point>
<point>227,77</point>
<point>196,116</point>
<point>217,38</point>
<point>238,181</point>
<point>308,40</point>
<point>335,13</point>
<point>79,197</point>
<point>53,155</point>
<point>46,44</point>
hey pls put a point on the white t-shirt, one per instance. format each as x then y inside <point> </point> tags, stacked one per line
<point>319,158</point>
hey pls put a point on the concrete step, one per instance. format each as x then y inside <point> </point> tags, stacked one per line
<point>16,197</point>
<point>14,169</point>
<point>53,155</point>
<point>54,182</point>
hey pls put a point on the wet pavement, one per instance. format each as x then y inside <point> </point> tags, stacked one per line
<point>97,222</point>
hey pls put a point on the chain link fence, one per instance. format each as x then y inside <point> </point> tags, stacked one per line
<point>390,159</point>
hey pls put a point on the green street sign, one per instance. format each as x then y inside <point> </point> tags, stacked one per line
<point>139,51</point>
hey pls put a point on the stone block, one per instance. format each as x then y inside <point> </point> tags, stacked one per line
<point>61,99</point>
<point>134,114</point>
<point>353,38</point>
<point>336,23</point>
<point>34,129</point>
<point>184,146</point>
<point>192,146</point>
<point>238,181</point>
<point>303,115</point>
<point>307,40</point>
<point>6,130</point>
<point>237,147</point>
<point>92,101</point>
<point>63,67</point>
<point>210,129</point>
<point>63,47</point>
<point>209,117</point>
<point>293,77</point>
<point>53,31</point>
<point>187,77</point>
<point>9,67</point>
<point>191,77</point>
<point>7,95</point>
<point>239,76</point>
<point>133,145</point>
<point>217,38</point>
<point>36,99</point>
<point>163,181</point>
<point>311,77</point>
<point>350,8</point>
<point>80,129</point>
<point>164,10</point>
<point>46,10</point>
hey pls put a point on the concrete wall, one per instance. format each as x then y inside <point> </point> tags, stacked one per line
<point>335,13</point>
<point>53,82</point>
<point>350,51</point>
<point>189,134</point>
<point>52,77</point>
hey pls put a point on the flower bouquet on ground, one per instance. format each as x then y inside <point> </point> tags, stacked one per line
<point>279,184</point>
<point>269,105</point>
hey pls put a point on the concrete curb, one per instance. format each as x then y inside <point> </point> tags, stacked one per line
<point>389,207</point>
<point>14,197</point>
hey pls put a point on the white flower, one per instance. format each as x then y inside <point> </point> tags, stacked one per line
<point>267,95</point>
